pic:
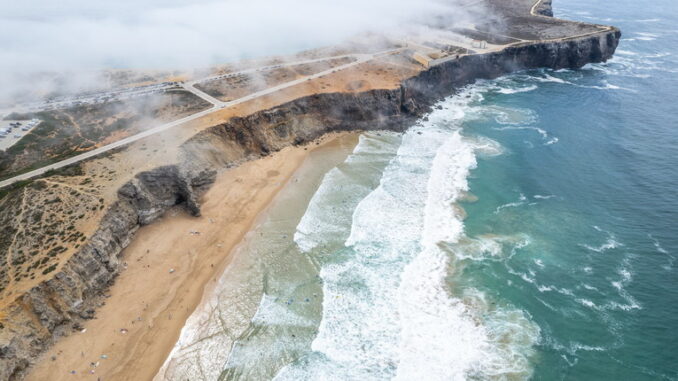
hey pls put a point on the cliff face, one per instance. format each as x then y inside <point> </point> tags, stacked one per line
<point>56,307</point>
<point>544,8</point>
<point>307,118</point>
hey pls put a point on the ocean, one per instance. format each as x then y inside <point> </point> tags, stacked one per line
<point>527,229</point>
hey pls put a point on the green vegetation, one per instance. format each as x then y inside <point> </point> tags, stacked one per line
<point>14,187</point>
<point>68,132</point>
<point>69,171</point>
<point>49,269</point>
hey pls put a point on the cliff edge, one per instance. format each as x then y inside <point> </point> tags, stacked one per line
<point>56,307</point>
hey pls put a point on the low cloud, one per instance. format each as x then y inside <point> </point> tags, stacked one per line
<point>86,36</point>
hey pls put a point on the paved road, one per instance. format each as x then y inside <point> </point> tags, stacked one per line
<point>269,67</point>
<point>214,101</point>
<point>217,105</point>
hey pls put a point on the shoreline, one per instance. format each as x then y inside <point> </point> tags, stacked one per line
<point>244,256</point>
<point>56,307</point>
<point>136,329</point>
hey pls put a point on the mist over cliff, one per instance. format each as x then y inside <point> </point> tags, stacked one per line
<point>79,36</point>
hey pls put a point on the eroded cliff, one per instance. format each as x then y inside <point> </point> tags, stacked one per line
<point>58,306</point>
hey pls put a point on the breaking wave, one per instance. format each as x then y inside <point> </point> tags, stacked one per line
<point>388,311</point>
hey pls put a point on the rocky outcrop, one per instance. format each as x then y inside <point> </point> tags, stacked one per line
<point>56,307</point>
<point>544,8</point>
<point>151,193</point>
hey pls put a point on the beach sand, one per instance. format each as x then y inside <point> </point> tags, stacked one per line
<point>170,265</point>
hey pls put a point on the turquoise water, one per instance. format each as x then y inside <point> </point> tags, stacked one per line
<point>525,230</point>
<point>598,275</point>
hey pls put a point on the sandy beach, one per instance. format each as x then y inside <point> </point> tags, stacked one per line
<point>170,265</point>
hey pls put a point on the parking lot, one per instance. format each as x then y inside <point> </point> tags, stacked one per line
<point>11,131</point>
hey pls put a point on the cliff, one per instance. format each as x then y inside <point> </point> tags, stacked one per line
<point>59,305</point>
<point>544,8</point>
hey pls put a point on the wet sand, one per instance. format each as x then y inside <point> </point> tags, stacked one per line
<point>170,265</point>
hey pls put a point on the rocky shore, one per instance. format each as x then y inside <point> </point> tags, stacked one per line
<point>57,306</point>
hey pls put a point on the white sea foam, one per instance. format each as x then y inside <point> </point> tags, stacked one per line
<point>342,188</point>
<point>548,140</point>
<point>520,202</point>
<point>583,347</point>
<point>547,305</point>
<point>658,246</point>
<point>587,303</point>
<point>647,34</point>
<point>427,312</point>
<point>517,89</point>
<point>387,312</point>
<point>485,147</point>
<point>625,277</point>
<point>512,116</point>
<point>623,307</point>
<point>503,85</point>
<point>606,86</point>
<point>626,52</point>
<point>660,249</point>
<point>610,243</point>
<point>550,78</point>
<point>625,274</point>
<point>524,276</point>
<point>658,55</point>
<point>625,59</point>
<point>439,332</point>
<point>359,331</point>
<point>487,247</point>
<point>551,141</point>
<point>509,205</point>
<point>540,131</point>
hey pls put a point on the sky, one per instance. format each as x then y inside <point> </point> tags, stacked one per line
<point>68,35</point>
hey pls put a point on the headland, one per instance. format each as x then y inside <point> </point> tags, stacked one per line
<point>76,242</point>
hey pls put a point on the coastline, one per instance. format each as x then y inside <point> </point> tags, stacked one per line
<point>53,307</point>
<point>146,308</point>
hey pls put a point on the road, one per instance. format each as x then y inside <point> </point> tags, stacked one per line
<point>217,105</point>
<point>269,67</point>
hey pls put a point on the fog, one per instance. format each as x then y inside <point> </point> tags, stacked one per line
<point>86,36</point>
